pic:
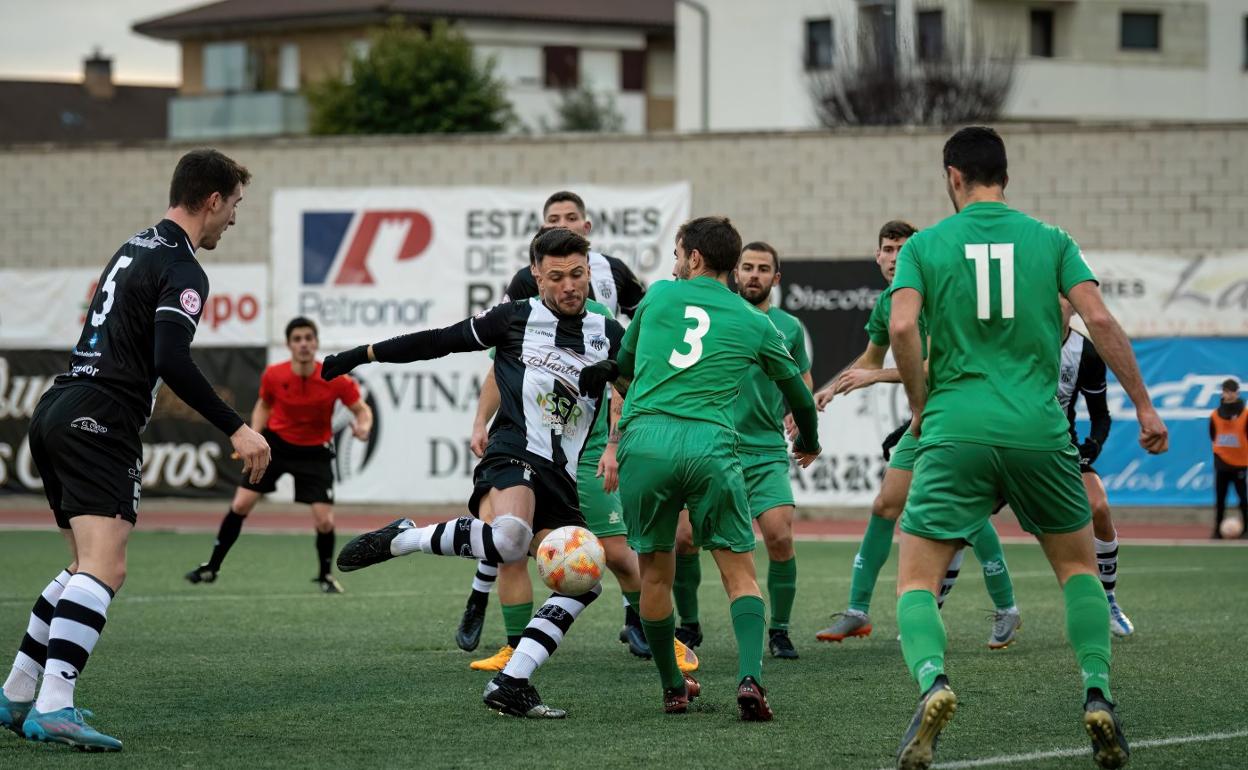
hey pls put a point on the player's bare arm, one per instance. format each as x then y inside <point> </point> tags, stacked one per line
<point>608,466</point>
<point>363,423</point>
<point>903,331</point>
<point>1112,343</point>
<point>487,407</point>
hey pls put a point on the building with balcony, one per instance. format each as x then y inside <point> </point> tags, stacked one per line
<point>245,63</point>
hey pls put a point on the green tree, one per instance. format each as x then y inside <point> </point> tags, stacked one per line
<point>412,82</point>
<point>580,109</point>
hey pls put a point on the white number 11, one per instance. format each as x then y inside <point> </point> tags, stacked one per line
<point>980,253</point>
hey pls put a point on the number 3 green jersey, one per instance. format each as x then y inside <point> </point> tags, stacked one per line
<point>990,278</point>
<point>760,406</point>
<point>690,346</point>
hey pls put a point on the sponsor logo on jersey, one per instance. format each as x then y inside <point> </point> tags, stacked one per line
<point>88,424</point>
<point>560,413</point>
<point>150,239</point>
<point>191,301</point>
<point>338,245</point>
<point>86,369</point>
<point>95,339</point>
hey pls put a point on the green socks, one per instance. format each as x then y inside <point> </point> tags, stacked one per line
<point>749,622</point>
<point>781,589</point>
<point>923,636</point>
<point>1087,628</point>
<point>516,617</point>
<point>876,544</point>
<point>988,550</point>
<point>661,634</point>
<point>685,586</point>
<point>633,598</point>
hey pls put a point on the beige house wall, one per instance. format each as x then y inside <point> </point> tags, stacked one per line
<point>1165,189</point>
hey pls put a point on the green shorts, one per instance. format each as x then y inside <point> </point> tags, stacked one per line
<point>766,481</point>
<point>902,457</point>
<point>957,485</point>
<point>604,516</point>
<point>666,463</point>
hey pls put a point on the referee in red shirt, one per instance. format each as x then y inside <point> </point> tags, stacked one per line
<point>294,414</point>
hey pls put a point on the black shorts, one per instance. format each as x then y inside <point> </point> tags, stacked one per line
<point>556,503</point>
<point>87,451</point>
<point>312,468</point>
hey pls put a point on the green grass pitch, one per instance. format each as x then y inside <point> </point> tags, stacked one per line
<point>261,670</point>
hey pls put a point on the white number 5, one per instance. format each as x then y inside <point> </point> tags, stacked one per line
<point>110,286</point>
<point>693,338</point>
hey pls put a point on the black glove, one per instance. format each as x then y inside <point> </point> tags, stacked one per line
<point>892,439</point>
<point>596,376</point>
<point>1089,450</point>
<point>342,363</point>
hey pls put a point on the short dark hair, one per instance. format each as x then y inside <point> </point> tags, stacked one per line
<point>202,172</point>
<point>1231,385</point>
<point>533,243</point>
<point>896,230</point>
<point>562,196</point>
<point>299,322</point>
<point>558,242</point>
<point>979,153</point>
<point>764,246</point>
<point>715,239</point>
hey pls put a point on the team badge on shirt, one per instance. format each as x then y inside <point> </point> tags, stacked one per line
<point>191,302</point>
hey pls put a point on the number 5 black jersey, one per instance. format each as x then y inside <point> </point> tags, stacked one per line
<point>153,278</point>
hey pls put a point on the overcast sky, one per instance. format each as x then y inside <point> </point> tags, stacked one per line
<point>48,39</point>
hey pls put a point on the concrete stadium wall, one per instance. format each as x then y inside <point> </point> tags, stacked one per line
<point>1156,189</point>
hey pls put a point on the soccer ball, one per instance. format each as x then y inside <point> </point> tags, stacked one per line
<point>571,560</point>
<point>1231,527</point>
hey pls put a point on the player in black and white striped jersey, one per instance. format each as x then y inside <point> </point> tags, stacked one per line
<point>526,485</point>
<point>1083,373</point>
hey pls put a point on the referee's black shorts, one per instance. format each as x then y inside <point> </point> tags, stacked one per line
<point>312,468</point>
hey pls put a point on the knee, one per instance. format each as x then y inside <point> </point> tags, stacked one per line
<point>885,508</point>
<point>512,537</point>
<point>620,558</point>
<point>684,541</point>
<point>779,545</point>
<point>325,521</point>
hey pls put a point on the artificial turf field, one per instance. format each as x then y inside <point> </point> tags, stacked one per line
<point>261,670</point>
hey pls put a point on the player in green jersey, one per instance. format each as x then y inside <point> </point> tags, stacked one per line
<point>687,351</point>
<point>868,369</point>
<point>990,427</point>
<point>764,461</point>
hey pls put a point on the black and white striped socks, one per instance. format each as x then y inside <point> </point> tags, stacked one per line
<point>75,628</point>
<point>483,581</point>
<point>23,679</point>
<point>951,577</point>
<point>546,630</point>
<point>1107,563</point>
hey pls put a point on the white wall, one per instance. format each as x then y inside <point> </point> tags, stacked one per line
<point>757,81</point>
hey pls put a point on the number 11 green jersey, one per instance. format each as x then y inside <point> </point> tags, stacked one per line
<point>990,278</point>
<point>690,346</point>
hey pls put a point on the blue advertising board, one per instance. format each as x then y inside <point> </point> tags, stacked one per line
<point>1184,378</point>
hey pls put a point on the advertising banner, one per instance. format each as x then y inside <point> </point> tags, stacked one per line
<point>370,263</point>
<point>45,309</point>
<point>833,299</point>
<point>183,455</point>
<point>1184,378</point>
<point>1171,296</point>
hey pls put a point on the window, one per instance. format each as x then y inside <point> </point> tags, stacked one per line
<point>1042,34</point>
<point>561,66</point>
<point>818,44</point>
<point>288,67</point>
<point>632,70</point>
<point>1141,32</point>
<point>930,26</point>
<point>228,67</point>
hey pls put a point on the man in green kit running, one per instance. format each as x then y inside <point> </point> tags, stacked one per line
<point>689,348</point>
<point>989,427</point>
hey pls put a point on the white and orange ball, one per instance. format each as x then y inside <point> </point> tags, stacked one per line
<point>570,560</point>
<point>1231,527</point>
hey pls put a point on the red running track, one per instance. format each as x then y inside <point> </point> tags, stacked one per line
<point>284,521</point>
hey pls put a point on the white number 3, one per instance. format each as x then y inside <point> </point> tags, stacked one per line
<point>693,338</point>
